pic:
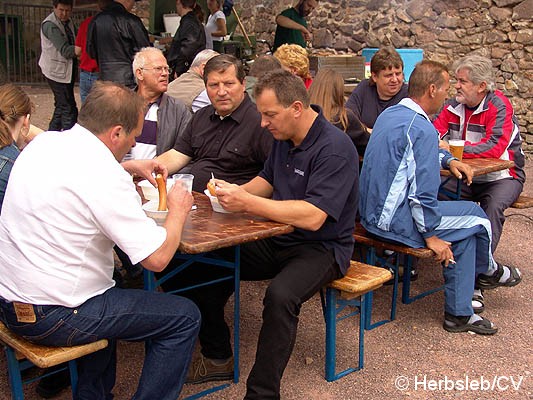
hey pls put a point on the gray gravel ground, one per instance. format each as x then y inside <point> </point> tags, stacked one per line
<point>412,349</point>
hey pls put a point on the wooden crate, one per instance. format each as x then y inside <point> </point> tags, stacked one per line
<point>349,66</point>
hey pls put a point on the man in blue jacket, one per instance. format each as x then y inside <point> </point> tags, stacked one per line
<point>399,185</point>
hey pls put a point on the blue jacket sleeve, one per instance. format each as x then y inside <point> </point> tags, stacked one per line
<point>424,177</point>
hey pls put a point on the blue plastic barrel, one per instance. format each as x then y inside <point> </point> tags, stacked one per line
<point>409,57</point>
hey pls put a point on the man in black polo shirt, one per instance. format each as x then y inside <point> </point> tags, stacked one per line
<point>310,181</point>
<point>226,137</point>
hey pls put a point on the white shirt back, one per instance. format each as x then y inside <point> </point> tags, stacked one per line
<point>68,201</point>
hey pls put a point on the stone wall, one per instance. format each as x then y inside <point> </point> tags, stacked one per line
<point>445,29</point>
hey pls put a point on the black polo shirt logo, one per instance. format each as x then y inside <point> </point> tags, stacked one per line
<point>299,172</point>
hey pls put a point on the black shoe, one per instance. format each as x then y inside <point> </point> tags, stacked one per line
<point>460,324</point>
<point>50,386</point>
<point>493,281</point>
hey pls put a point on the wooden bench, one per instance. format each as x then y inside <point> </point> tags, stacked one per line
<point>341,295</point>
<point>523,202</point>
<point>22,354</point>
<point>409,254</point>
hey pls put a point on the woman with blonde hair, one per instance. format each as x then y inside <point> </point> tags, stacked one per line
<point>15,130</point>
<point>294,59</point>
<point>327,91</point>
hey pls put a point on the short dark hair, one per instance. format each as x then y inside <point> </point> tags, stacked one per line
<point>264,64</point>
<point>109,104</point>
<point>385,58</point>
<point>426,73</point>
<point>64,2</point>
<point>287,87</point>
<point>221,63</point>
<point>188,3</point>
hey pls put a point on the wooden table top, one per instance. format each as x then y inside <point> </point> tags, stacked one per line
<point>207,230</point>
<point>482,166</point>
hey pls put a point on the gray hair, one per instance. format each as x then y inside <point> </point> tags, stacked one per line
<point>203,57</point>
<point>479,70</point>
<point>139,60</point>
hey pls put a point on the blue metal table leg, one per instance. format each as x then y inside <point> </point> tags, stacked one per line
<point>236,314</point>
<point>331,333</point>
<point>150,283</point>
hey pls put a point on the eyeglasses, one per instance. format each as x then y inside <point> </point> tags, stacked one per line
<point>158,70</point>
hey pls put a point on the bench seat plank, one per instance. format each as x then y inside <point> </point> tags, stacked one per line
<point>46,356</point>
<point>360,279</point>
<point>362,236</point>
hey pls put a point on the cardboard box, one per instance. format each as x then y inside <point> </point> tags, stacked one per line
<point>348,65</point>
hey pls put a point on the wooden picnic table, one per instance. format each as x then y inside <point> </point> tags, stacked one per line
<point>482,166</point>
<point>206,230</point>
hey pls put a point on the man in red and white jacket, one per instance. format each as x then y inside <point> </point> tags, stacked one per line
<point>484,118</point>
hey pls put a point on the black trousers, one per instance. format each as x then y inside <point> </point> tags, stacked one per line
<point>65,111</point>
<point>296,274</point>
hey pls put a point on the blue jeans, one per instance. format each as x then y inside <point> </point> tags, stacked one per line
<point>87,80</point>
<point>168,323</point>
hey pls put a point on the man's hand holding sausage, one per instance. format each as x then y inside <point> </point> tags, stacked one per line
<point>145,168</point>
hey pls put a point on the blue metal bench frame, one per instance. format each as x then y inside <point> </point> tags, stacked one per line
<point>335,309</point>
<point>385,262</point>
<point>16,367</point>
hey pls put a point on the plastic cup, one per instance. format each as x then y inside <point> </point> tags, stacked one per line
<point>185,180</point>
<point>456,148</point>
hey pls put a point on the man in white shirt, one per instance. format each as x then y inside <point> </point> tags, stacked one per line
<point>58,226</point>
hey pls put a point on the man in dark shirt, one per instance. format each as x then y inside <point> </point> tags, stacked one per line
<point>226,137</point>
<point>310,181</point>
<point>113,38</point>
<point>188,40</point>
<point>385,88</point>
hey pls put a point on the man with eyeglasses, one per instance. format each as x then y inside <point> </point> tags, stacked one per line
<point>113,37</point>
<point>166,117</point>
<point>165,120</point>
